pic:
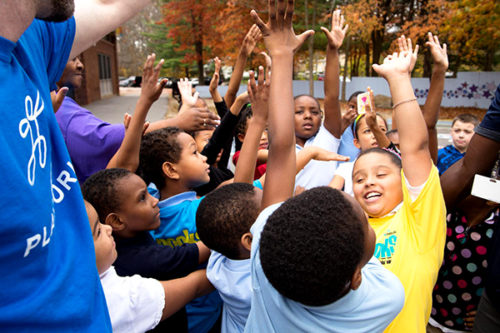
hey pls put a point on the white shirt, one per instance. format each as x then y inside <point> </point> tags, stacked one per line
<point>318,173</point>
<point>344,170</point>
<point>232,279</point>
<point>135,304</point>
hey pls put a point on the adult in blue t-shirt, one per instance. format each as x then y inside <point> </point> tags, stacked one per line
<point>48,271</point>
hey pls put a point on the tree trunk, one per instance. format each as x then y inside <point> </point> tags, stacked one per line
<point>427,64</point>
<point>377,40</point>
<point>367,61</point>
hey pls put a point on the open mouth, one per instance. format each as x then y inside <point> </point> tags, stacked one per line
<point>372,196</point>
<point>307,126</point>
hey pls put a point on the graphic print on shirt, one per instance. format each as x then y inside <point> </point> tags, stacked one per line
<point>186,238</point>
<point>38,142</point>
<point>384,250</point>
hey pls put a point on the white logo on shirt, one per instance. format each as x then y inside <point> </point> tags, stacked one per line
<point>38,142</point>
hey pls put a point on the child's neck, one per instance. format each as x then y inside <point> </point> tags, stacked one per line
<point>300,142</point>
<point>172,188</point>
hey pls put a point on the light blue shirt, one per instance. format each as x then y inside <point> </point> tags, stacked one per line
<point>232,279</point>
<point>347,147</point>
<point>370,308</point>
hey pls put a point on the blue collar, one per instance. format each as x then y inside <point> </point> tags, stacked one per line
<point>177,199</point>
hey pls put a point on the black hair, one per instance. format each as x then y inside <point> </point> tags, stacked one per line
<point>306,95</point>
<point>395,158</point>
<point>354,94</point>
<point>311,246</point>
<point>224,215</point>
<point>241,125</point>
<point>100,191</point>
<point>158,147</point>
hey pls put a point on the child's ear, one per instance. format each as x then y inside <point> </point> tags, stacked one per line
<point>241,137</point>
<point>356,143</point>
<point>356,279</point>
<point>114,221</point>
<point>246,241</point>
<point>170,170</point>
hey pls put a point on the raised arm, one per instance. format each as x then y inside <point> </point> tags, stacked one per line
<point>127,156</point>
<point>412,130</point>
<point>281,42</point>
<point>179,292</point>
<point>433,102</point>
<point>335,38</point>
<point>252,37</point>
<point>95,18</point>
<point>259,96</point>
<point>214,82</point>
<point>371,121</point>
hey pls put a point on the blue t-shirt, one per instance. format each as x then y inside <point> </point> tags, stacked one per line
<point>447,156</point>
<point>178,226</point>
<point>370,308</point>
<point>347,147</point>
<point>48,272</point>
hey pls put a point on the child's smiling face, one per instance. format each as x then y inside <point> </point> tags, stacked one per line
<point>139,210</point>
<point>376,183</point>
<point>104,244</point>
<point>192,167</point>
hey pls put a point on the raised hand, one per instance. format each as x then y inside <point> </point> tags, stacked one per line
<point>438,52</point>
<point>397,64</point>
<point>57,97</point>
<point>251,38</point>
<point>259,94</point>
<point>186,91</point>
<point>195,119</point>
<point>405,45</point>
<point>371,114</point>
<point>336,35</point>
<point>150,88</point>
<point>278,33</point>
<point>214,83</point>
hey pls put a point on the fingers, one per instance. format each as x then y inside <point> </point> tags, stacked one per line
<point>415,53</point>
<point>126,120</point>
<point>267,58</point>
<point>280,19</point>
<point>289,13</point>
<point>260,24</point>
<point>261,76</point>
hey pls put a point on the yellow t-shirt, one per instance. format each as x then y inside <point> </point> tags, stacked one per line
<point>411,245</point>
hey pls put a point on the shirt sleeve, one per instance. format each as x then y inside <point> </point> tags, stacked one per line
<point>426,215</point>
<point>57,42</point>
<point>222,134</point>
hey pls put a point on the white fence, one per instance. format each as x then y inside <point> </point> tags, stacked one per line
<point>468,89</point>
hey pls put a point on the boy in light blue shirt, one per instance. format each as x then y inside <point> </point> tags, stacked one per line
<point>312,255</point>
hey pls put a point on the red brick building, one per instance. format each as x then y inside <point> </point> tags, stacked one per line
<point>101,71</point>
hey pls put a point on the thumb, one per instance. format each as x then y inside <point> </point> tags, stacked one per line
<point>304,36</point>
<point>377,68</point>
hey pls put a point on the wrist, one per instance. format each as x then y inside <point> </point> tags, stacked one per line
<point>439,70</point>
<point>332,49</point>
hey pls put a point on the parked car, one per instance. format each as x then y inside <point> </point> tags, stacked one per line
<point>127,82</point>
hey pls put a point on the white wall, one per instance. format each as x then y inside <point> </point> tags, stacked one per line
<point>468,89</point>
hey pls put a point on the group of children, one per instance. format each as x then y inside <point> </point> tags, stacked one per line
<point>295,239</point>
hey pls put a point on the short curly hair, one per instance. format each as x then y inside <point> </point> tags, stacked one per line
<point>100,191</point>
<point>241,125</point>
<point>311,246</point>
<point>158,147</point>
<point>224,215</point>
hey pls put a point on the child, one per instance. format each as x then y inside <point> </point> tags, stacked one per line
<point>137,304</point>
<point>170,160</point>
<point>346,146</point>
<point>241,130</point>
<point>403,200</point>
<point>462,129</point>
<point>301,285</point>
<point>369,131</point>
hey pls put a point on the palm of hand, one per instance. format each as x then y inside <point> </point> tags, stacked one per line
<point>336,37</point>
<point>279,40</point>
<point>395,64</point>
<point>439,55</point>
